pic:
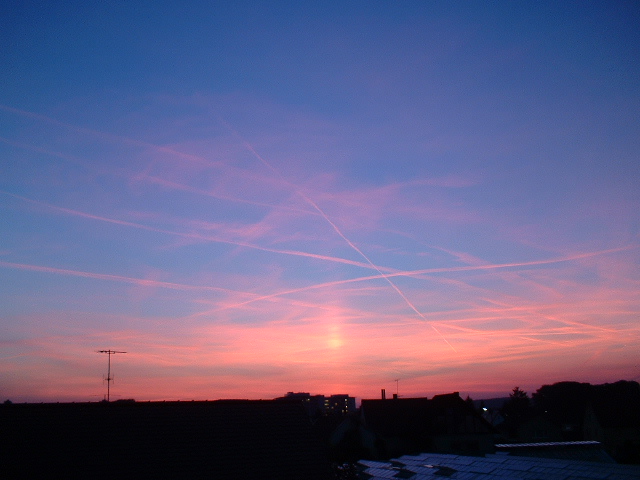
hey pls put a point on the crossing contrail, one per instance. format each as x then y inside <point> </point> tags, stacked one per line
<point>425,271</point>
<point>339,232</point>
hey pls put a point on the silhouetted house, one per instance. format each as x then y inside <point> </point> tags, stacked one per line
<point>616,426</point>
<point>541,428</point>
<point>493,416</point>
<point>220,439</point>
<point>446,423</point>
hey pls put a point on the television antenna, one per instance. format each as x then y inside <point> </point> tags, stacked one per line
<point>109,377</point>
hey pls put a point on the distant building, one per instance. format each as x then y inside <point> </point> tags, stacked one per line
<point>341,404</point>
<point>318,405</point>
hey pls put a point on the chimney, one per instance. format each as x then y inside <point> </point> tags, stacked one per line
<point>395,396</point>
<point>384,394</point>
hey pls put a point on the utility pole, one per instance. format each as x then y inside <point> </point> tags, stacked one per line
<point>109,377</point>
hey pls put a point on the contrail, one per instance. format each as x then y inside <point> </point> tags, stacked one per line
<point>146,177</point>
<point>198,191</point>
<point>192,236</point>
<point>109,136</point>
<point>34,148</point>
<point>369,264</point>
<point>426,271</point>
<point>118,278</point>
<point>337,230</point>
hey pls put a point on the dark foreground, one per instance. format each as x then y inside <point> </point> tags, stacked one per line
<point>222,439</point>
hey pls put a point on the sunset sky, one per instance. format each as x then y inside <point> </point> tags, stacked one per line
<point>317,196</point>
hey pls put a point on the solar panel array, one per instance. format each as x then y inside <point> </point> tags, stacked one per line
<point>493,467</point>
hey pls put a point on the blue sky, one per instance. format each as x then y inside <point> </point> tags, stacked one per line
<point>267,197</point>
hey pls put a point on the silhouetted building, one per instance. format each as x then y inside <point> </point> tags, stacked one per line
<point>340,404</point>
<point>220,439</point>
<point>320,405</point>
<point>541,428</point>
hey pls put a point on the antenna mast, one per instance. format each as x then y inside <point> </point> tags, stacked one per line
<point>109,377</point>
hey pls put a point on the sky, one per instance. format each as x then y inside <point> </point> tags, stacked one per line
<point>326,197</point>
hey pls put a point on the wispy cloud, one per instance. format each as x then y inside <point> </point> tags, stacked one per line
<point>342,217</point>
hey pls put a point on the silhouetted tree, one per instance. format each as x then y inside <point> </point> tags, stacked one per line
<point>516,409</point>
<point>564,402</point>
<point>518,394</point>
<point>469,401</point>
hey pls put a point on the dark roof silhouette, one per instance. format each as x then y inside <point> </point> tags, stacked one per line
<point>219,439</point>
<point>443,414</point>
